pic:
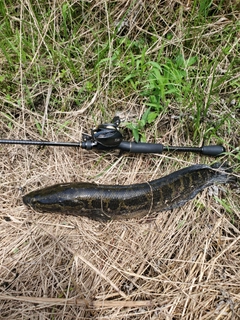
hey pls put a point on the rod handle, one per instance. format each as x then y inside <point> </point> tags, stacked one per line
<point>212,150</point>
<point>141,147</point>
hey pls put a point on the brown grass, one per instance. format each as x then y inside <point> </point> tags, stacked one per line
<point>182,264</point>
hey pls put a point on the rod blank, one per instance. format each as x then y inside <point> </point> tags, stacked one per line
<point>41,143</point>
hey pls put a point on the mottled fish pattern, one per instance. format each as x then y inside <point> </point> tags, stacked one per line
<point>116,202</point>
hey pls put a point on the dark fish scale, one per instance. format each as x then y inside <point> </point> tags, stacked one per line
<point>106,202</point>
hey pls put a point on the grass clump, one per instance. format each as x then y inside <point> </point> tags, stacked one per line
<point>171,71</point>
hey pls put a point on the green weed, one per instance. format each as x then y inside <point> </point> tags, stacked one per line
<point>169,75</point>
<point>163,83</point>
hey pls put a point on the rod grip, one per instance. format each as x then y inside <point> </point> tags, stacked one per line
<point>141,147</point>
<point>212,150</point>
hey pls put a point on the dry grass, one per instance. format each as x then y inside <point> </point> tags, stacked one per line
<point>182,264</point>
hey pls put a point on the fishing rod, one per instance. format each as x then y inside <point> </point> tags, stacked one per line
<point>107,136</point>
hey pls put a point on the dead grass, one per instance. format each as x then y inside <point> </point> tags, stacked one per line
<point>182,264</point>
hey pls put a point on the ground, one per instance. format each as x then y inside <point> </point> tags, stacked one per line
<point>170,70</point>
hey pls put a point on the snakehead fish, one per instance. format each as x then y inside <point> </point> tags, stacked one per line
<point>116,202</point>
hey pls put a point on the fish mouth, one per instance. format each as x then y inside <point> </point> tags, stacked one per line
<point>27,200</point>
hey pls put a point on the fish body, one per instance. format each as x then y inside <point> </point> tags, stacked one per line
<point>116,202</point>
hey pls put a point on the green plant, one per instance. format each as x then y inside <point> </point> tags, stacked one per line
<point>138,128</point>
<point>167,80</point>
<point>164,82</point>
